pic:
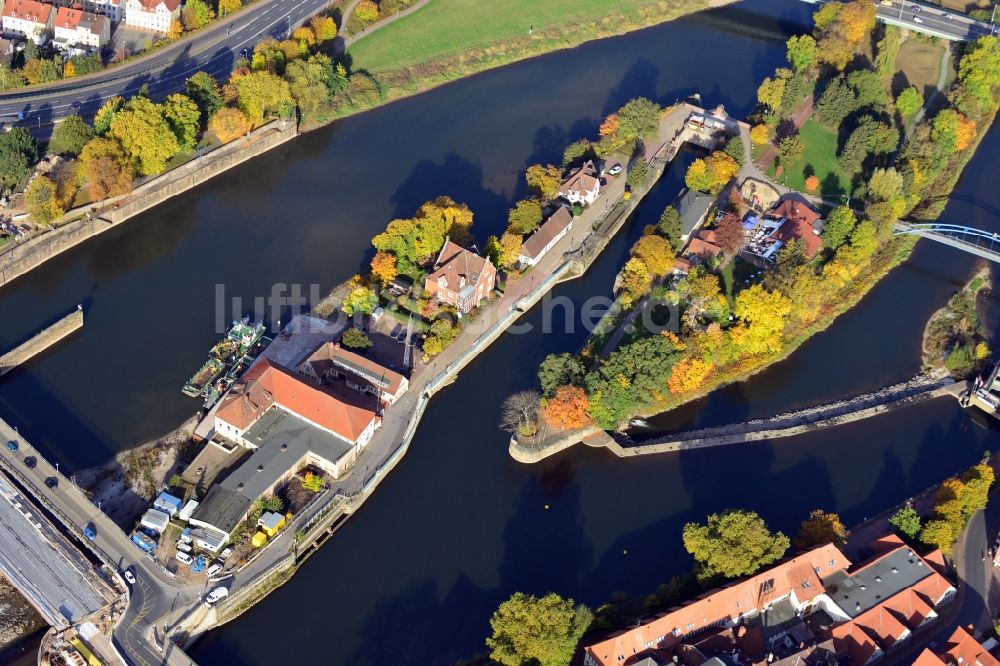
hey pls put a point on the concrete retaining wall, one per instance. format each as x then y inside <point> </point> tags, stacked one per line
<point>41,341</point>
<point>82,223</point>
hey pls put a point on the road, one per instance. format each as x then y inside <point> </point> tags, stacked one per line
<point>214,50</point>
<point>933,20</point>
<point>156,593</point>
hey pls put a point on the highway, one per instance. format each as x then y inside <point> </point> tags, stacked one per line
<point>155,594</point>
<point>932,20</point>
<point>214,50</point>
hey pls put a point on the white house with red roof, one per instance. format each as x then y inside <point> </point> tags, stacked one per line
<point>75,28</point>
<point>460,278</point>
<point>154,15</point>
<point>583,185</point>
<point>28,19</point>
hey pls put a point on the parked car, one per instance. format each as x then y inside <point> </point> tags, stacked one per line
<point>129,577</point>
<point>215,595</point>
<point>90,531</point>
<point>12,446</point>
<point>395,330</point>
<point>184,557</point>
<point>184,547</point>
<point>52,482</point>
<point>615,169</point>
<point>30,462</point>
<point>214,569</point>
<point>377,313</point>
<point>224,555</point>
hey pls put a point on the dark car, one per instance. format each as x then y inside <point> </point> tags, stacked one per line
<point>402,336</point>
<point>52,482</point>
<point>12,446</point>
<point>395,330</point>
<point>90,531</point>
<point>30,462</point>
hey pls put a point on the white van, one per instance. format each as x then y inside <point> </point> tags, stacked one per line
<point>214,569</point>
<point>183,557</point>
<point>215,595</point>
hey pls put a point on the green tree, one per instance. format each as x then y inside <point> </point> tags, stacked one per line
<point>791,148</point>
<point>886,52</point>
<point>819,529</point>
<point>868,88</point>
<point>979,70</point>
<point>801,52</point>
<point>944,131</point>
<point>544,180</point>
<point>354,338</point>
<point>361,300</point>
<point>909,102</point>
<point>263,94</point>
<point>145,135</point>
<point>771,92</point>
<point>104,115</point>
<point>578,151</point>
<point>532,630</point>
<point>196,14</point>
<point>18,155</point>
<point>733,543</point>
<point>836,103</point>
<point>669,227</point>
<point>939,533</point>
<point>638,175</point>
<point>204,90</point>
<point>839,225</point>
<point>885,184</point>
<point>638,119</point>
<point>525,216</point>
<point>106,168</point>
<point>308,83</point>
<point>906,521</point>
<point>271,503</point>
<point>70,136</point>
<point>734,148</point>
<point>42,201</point>
<point>558,370</point>
<point>184,118</point>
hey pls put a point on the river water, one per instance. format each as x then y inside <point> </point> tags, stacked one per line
<point>458,526</point>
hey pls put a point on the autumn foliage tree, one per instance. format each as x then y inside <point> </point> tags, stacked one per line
<point>819,529</point>
<point>228,124</point>
<point>366,11</point>
<point>568,408</point>
<point>106,168</point>
<point>688,374</point>
<point>544,180</point>
<point>610,126</point>
<point>729,233</point>
<point>712,173</point>
<point>383,267</point>
<point>656,253</point>
<point>324,28</point>
<point>812,184</point>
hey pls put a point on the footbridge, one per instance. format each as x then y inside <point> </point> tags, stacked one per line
<point>985,244</point>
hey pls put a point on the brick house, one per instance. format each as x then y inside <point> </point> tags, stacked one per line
<point>460,278</point>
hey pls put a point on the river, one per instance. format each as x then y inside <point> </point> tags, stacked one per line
<point>458,526</point>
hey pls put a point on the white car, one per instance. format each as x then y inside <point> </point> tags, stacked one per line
<point>225,554</point>
<point>215,595</point>
<point>917,19</point>
<point>184,557</point>
<point>129,577</point>
<point>615,170</point>
<point>183,547</point>
<point>377,313</point>
<point>214,569</point>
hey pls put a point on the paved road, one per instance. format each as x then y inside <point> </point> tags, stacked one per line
<point>926,18</point>
<point>214,50</point>
<point>155,594</point>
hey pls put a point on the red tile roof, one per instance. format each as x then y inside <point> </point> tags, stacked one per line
<point>267,384</point>
<point>724,604</point>
<point>27,10</point>
<point>801,220</point>
<point>332,355</point>
<point>702,248</point>
<point>68,18</point>
<point>151,5</point>
<point>961,648</point>
<point>455,263</point>
<point>583,180</point>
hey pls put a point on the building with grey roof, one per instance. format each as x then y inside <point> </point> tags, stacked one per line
<point>693,207</point>
<point>861,590</point>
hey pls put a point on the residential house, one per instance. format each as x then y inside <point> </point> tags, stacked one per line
<point>460,278</point>
<point>155,520</point>
<point>961,648</point>
<point>546,236</point>
<point>113,9</point>
<point>790,220</point>
<point>703,246</point>
<point>27,19</point>
<point>692,207</point>
<point>153,15</point>
<point>331,364</point>
<point>75,28</point>
<point>167,503</point>
<point>583,185</point>
<point>814,605</point>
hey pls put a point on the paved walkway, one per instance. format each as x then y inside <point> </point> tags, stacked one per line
<point>798,118</point>
<point>938,89</point>
<point>344,41</point>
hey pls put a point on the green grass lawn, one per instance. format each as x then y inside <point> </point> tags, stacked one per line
<point>447,28</point>
<point>918,64</point>
<point>819,158</point>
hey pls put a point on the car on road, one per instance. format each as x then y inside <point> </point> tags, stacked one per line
<point>129,577</point>
<point>215,595</point>
<point>917,19</point>
<point>52,482</point>
<point>75,106</point>
<point>90,531</point>
<point>30,462</point>
<point>915,8</point>
<point>615,170</point>
<point>12,446</point>
<point>184,557</point>
<point>885,3</point>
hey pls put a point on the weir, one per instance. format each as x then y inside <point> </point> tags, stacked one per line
<point>42,341</point>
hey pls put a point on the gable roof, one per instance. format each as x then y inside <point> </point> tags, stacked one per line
<point>552,227</point>
<point>151,5</point>
<point>454,262</point>
<point>726,603</point>
<point>962,648</point>
<point>362,369</point>
<point>801,220</point>
<point>266,384</point>
<point>27,10</point>
<point>699,247</point>
<point>582,180</point>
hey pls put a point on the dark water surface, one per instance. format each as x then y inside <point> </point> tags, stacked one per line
<point>458,526</point>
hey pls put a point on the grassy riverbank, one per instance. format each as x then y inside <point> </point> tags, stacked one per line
<point>451,39</point>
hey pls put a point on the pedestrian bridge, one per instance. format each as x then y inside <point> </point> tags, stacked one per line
<point>985,244</point>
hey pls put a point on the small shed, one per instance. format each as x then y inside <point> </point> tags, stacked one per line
<point>270,523</point>
<point>155,520</point>
<point>258,539</point>
<point>188,509</point>
<point>167,503</point>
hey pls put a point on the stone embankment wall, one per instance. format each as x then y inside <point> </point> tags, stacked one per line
<point>41,341</point>
<point>82,223</point>
<point>897,396</point>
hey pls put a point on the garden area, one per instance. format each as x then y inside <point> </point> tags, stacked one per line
<point>818,158</point>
